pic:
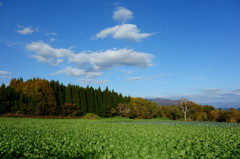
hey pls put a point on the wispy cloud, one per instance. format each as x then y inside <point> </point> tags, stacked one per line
<point>52,39</point>
<point>13,43</point>
<point>122,14</point>
<point>51,34</point>
<point>25,30</point>
<point>216,95</point>
<point>136,78</point>
<point>1,4</point>
<point>5,73</point>
<point>6,76</point>
<point>124,31</point>
<point>93,81</point>
<point>236,90</point>
<point>166,74</point>
<point>212,90</point>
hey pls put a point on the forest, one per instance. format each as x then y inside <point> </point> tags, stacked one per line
<point>40,97</point>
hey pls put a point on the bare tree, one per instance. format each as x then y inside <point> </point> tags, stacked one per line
<point>183,104</point>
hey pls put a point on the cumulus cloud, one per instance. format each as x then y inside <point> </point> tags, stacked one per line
<point>45,53</point>
<point>104,60</point>
<point>79,72</point>
<point>89,64</point>
<point>25,30</point>
<point>48,60</point>
<point>122,14</point>
<point>124,31</point>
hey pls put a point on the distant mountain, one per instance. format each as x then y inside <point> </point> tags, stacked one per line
<point>224,105</point>
<point>164,102</point>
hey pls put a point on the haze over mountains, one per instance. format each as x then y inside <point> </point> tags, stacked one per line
<point>164,102</point>
<point>223,105</point>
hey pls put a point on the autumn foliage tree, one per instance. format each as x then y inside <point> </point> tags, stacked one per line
<point>139,108</point>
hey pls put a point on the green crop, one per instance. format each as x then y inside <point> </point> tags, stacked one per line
<point>77,138</point>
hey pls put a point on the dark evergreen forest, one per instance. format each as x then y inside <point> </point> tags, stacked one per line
<point>41,97</point>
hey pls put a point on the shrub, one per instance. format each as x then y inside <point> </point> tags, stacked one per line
<point>91,116</point>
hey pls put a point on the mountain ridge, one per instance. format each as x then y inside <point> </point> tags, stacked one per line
<point>164,102</point>
<point>222,105</point>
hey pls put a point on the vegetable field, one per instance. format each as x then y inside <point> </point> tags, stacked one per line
<point>107,138</point>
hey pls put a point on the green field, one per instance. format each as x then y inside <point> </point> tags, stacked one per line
<point>117,138</point>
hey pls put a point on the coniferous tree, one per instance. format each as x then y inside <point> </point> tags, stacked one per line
<point>83,101</point>
<point>69,94</point>
<point>99,105</point>
<point>40,97</point>
<point>90,99</point>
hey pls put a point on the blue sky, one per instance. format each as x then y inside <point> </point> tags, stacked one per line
<point>168,49</point>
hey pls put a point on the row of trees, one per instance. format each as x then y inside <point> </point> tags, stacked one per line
<point>185,110</point>
<point>41,97</point>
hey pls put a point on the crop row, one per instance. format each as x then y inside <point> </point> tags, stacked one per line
<point>76,138</point>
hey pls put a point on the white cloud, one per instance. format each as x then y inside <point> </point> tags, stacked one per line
<point>105,60</point>
<point>52,39</point>
<point>122,14</point>
<point>1,4</point>
<point>5,76</point>
<point>89,64</point>
<point>135,78</point>
<point>51,34</point>
<point>44,49</point>
<point>5,73</point>
<point>45,53</point>
<point>236,90</point>
<point>48,60</point>
<point>13,43</point>
<point>166,74</point>
<point>212,90</point>
<point>92,81</point>
<point>124,31</point>
<point>79,72</point>
<point>25,30</point>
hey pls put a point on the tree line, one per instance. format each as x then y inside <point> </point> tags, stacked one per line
<point>41,97</point>
<point>184,110</point>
